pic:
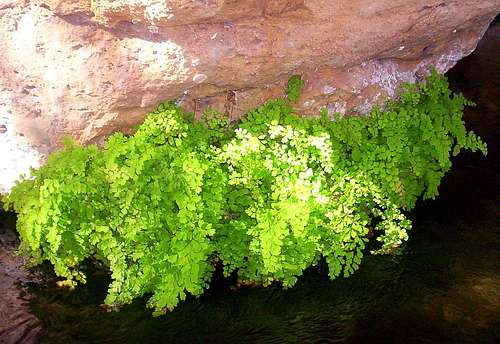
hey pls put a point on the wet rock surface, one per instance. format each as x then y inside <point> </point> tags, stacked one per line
<point>90,68</point>
<point>17,323</point>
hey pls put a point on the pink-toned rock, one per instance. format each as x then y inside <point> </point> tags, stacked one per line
<point>89,68</point>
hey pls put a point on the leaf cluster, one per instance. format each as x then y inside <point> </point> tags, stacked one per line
<point>294,87</point>
<point>269,196</point>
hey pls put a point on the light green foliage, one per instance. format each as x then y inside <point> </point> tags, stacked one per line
<point>293,88</point>
<point>144,205</point>
<point>268,198</point>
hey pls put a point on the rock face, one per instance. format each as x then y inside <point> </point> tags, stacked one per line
<point>88,68</point>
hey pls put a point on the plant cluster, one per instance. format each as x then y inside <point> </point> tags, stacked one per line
<point>268,197</point>
<point>294,87</point>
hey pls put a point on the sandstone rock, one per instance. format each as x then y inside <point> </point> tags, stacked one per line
<point>89,68</point>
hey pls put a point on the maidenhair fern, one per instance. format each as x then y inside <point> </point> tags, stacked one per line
<point>294,87</point>
<point>268,197</point>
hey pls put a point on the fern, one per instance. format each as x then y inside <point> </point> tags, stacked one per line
<point>269,197</point>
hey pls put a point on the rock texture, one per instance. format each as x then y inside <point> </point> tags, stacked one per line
<point>90,67</point>
<point>17,324</point>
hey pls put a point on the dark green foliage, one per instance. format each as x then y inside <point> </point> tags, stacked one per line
<point>293,88</point>
<point>269,198</point>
